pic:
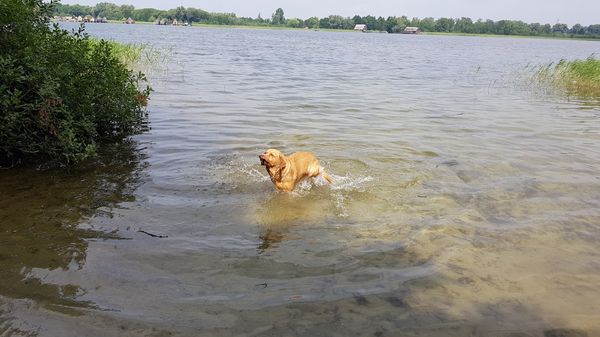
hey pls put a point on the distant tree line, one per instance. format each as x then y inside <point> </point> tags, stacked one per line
<point>391,24</point>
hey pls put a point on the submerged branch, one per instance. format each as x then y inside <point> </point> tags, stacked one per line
<point>153,235</point>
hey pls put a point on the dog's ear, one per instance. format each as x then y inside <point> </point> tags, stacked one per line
<point>282,160</point>
<point>281,165</point>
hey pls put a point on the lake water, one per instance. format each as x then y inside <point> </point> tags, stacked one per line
<point>465,202</point>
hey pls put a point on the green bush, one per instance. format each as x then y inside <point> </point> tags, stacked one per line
<point>61,93</point>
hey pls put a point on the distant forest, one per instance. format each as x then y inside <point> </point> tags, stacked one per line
<point>391,24</point>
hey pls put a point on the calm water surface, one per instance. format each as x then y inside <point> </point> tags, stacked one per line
<point>465,202</point>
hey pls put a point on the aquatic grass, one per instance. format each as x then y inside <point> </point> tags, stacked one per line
<point>129,54</point>
<point>583,75</point>
<point>138,57</point>
<point>577,77</point>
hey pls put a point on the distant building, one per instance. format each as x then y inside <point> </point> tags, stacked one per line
<point>411,30</point>
<point>65,18</point>
<point>360,27</point>
<point>130,21</point>
<point>172,22</point>
<point>87,18</point>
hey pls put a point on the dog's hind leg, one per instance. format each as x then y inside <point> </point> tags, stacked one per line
<point>326,176</point>
<point>318,170</point>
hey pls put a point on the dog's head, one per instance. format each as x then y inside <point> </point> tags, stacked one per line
<point>272,158</point>
<point>275,163</point>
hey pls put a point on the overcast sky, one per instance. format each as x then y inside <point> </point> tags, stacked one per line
<point>585,12</point>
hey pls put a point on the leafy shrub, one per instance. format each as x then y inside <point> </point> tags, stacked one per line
<point>61,93</point>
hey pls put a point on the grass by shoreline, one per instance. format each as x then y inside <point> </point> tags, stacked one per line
<point>575,77</point>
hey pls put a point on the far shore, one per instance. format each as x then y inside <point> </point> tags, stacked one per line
<point>207,25</point>
<point>350,30</point>
<point>578,38</point>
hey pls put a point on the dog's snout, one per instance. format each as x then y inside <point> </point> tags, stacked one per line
<point>263,159</point>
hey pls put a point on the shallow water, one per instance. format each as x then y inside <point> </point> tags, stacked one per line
<point>465,202</point>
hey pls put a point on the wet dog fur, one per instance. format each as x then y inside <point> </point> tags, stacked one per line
<point>287,171</point>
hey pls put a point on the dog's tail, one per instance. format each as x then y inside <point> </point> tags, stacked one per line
<point>326,176</point>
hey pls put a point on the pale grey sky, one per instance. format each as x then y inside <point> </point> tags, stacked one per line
<point>585,12</point>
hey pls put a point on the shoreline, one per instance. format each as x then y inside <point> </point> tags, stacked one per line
<point>207,25</point>
<point>575,38</point>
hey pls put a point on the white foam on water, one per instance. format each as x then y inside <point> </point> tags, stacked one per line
<point>341,188</point>
<point>349,182</point>
<point>346,183</point>
<point>303,187</point>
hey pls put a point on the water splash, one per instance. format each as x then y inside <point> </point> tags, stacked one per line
<point>350,183</point>
<point>235,170</point>
<point>342,189</point>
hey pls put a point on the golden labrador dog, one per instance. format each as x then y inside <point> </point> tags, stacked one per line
<point>287,171</point>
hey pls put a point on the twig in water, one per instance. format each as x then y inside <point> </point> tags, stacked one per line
<point>153,235</point>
